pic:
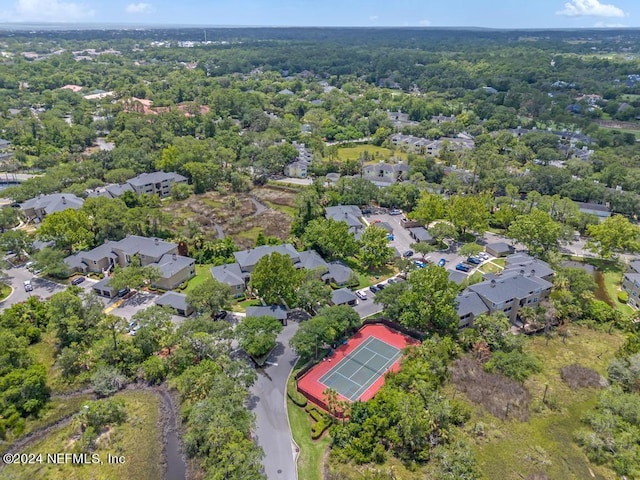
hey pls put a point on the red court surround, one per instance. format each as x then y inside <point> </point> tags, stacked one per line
<point>309,384</point>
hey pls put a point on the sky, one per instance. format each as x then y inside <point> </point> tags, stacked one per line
<point>348,13</point>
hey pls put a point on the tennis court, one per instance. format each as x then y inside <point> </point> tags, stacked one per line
<point>361,368</point>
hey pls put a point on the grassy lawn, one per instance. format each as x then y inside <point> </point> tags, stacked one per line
<point>5,290</point>
<point>311,451</point>
<point>202,273</point>
<point>499,261</point>
<point>286,209</point>
<point>375,152</point>
<point>370,277</point>
<point>251,234</point>
<point>512,450</point>
<point>490,267</point>
<point>242,305</point>
<point>138,440</point>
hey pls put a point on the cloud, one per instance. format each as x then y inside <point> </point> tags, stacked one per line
<point>373,18</point>
<point>590,8</point>
<point>46,11</point>
<point>139,8</point>
<point>424,23</point>
<point>610,25</point>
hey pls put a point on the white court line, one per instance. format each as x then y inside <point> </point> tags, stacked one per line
<point>365,386</point>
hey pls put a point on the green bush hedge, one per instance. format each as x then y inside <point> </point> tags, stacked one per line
<point>623,297</point>
<point>295,396</point>
<point>314,413</point>
<point>319,428</point>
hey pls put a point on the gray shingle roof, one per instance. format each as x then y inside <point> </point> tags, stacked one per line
<point>103,251</point>
<point>155,177</point>
<point>55,202</point>
<point>456,276</point>
<point>509,287</point>
<point>342,296</point>
<point>174,300</point>
<point>118,190</point>
<point>635,265</point>
<point>103,284</point>
<point>470,302</point>
<point>249,258</point>
<point>170,264</point>
<point>421,234</point>
<point>345,213</point>
<point>338,272</point>
<point>518,262</point>
<point>275,311</point>
<point>500,247</point>
<point>310,259</point>
<point>229,274</point>
<point>633,277</point>
<point>152,247</point>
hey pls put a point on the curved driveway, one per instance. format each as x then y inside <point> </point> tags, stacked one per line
<point>268,402</point>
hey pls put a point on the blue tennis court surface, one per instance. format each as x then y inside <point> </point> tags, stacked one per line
<point>361,368</point>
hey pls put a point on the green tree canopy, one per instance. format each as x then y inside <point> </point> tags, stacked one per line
<point>276,280</point>
<point>257,335</point>
<point>210,297</point>
<point>615,234</point>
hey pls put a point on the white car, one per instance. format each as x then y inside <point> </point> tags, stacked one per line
<point>361,295</point>
<point>483,256</point>
<point>27,286</point>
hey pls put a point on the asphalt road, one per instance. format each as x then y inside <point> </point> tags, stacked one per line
<point>267,402</point>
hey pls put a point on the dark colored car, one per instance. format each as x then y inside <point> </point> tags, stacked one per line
<point>462,267</point>
<point>220,315</point>
<point>474,260</point>
<point>374,289</point>
<point>77,281</point>
<point>442,262</point>
<point>408,254</point>
<point>123,292</point>
<point>380,286</point>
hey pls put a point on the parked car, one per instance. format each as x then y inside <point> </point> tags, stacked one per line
<point>395,211</point>
<point>27,286</point>
<point>408,254</point>
<point>381,286</point>
<point>361,295</point>
<point>442,262</point>
<point>390,237</point>
<point>27,265</point>
<point>419,264</point>
<point>462,267</point>
<point>77,281</point>
<point>474,260</point>
<point>220,315</point>
<point>392,281</point>
<point>123,292</point>
<point>483,256</point>
<point>374,289</point>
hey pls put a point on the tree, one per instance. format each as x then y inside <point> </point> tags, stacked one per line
<point>276,280</point>
<point>426,301</point>
<point>134,275</point>
<point>442,230</point>
<point>325,328</point>
<point>374,247</point>
<point>257,335</point>
<point>210,297</point>
<point>470,249</point>
<point>51,262</point>
<point>330,238</point>
<point>69,229</point>
<point>106,216</point>
<point>430,207</point>
<point>615,234</point>
<point>8,218</point>
<point>17,241</point>
<point>155,329</point>
<point>423,249</point>
<point>181,191</point>
<point>468,212</point>
<point>308,208</point>
<point>493,329</point>
<point>537,231</point>
<point>313,293</point>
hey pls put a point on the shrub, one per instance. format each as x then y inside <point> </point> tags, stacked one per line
<point>515,364</point>
<point>154,370</point>
<point>623,297</point>
<point>107,381</point>
<point>295,396</point>
<point>319,428</point>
